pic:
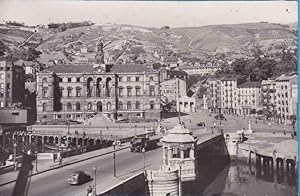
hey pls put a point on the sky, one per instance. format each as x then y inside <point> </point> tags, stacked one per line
<point>148,13</point>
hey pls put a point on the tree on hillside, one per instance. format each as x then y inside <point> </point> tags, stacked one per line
<point>3,48</point>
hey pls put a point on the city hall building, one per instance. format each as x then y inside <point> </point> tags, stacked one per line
<point>78,91</point>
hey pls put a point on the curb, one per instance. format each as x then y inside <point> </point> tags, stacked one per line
<point>67,164</point>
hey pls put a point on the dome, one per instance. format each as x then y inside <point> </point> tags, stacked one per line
<point>179,134</point>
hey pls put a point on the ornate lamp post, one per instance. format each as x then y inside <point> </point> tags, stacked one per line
<point>114,157</point>
<point>143,151</point>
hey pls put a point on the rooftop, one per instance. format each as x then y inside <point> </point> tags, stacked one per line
<point>250,85</point>
<point>118,68</point>
<point>179,134</point>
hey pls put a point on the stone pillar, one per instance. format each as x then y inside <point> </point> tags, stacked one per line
<point>169,155</point>
<point>181,153</point>
<point>192,153</point>
<point>164,158</point>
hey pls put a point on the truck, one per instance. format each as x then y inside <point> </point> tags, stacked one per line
<point>138,143</point>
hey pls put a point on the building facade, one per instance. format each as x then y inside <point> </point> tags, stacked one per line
<point>79,91</point>
<point>229,95</point>
<point>249,98</point>
<point>221,95</point>
<point>12,84</point>
<point>268,97</point>
<point>286,97</point>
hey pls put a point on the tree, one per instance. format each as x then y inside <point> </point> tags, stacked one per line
<point>3,48</point>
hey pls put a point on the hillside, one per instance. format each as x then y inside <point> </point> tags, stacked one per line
<point>134,42</point>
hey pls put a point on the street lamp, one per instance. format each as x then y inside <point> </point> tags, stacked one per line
<point>36,152</point>
<point>15,155</point>
<point>143,151</point>
<point>95,172</point>
<point>114,157</point>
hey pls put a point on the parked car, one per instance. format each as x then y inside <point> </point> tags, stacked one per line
<point>201,124</point>
<point>79,177</point>
<point>220,117</point>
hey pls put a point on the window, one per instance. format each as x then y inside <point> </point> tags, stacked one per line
<point>1,104</point>
<point>128,79</point>
<point>152,91</point>
<point>151,79</point>
<point>120,79</point>
<point>77,79</point>
<point>7,86</point>
<point>108,106</point>
<point>1,76</point>
<point>69,106</point>
<point>129,106</point>
<point>186,153</point>
<point>78,106</point>
<point>120,105</point>
<point>1,95</point>
<point>138,91</point>
<point>121,91</point>
<point>60,79</point>
<point>129,91</point>
<point>44,107</point>
<point>69,92</point>
<point>137,105</point>
<point>137,79</point>
<point>44,92</point>
<point>69,79</point>
<point>90,106</point>
<point>151,105</point>
<point>1,85</point>
<point>175,153</point>
<point>78,92</point>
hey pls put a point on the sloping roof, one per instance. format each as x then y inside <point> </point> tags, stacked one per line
<point>179,134</point>
<point>250,85</point>
<point>118,68</point>
<point>71,68</point>
<point>131,68</point>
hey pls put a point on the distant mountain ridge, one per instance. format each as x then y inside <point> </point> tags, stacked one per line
<point>235,40</point>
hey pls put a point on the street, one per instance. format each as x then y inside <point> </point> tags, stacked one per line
<point>55,182</point>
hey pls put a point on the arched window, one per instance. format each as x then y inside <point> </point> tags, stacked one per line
<point>44,80</point>
<point>129,106</point>
<point>137,91</point>
<point>152,90</point>
<point>69,106</point>
<point>90,106</point>
<point>44,107</point>
<point>151,105</point>
<point>99,106</point>
<point>78,106</point>
<point>120,105</point>
<point>137,105</point>
<point>108,106</point>
<point>129,91</point>
<point>121,91</point>
<point>151,78</point>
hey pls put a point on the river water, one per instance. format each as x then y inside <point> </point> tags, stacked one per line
<point>218,177</point>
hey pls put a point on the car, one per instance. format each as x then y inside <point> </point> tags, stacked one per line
<point>201,124</point>
<point>220,117</point>
<point>78,177</point>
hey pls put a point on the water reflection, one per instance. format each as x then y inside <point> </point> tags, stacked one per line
<point>241,178</point>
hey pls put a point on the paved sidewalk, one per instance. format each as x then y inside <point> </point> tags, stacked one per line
<point>47,165</point>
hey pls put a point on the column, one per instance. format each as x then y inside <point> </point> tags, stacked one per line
<point>169,155</point>
<point>164,156</point>
<point>181,153</point>
<point>192,153</point>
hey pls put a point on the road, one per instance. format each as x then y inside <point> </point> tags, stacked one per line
<point>55,182</point>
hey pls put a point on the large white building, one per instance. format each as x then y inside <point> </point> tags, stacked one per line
<point>249,98</point>
<point>286,97</point>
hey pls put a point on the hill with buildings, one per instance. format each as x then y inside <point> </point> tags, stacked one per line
<point>126,43</point>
